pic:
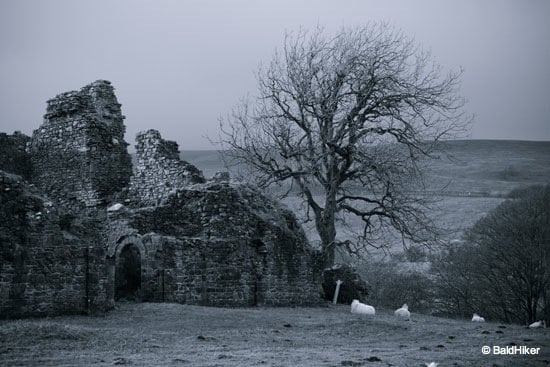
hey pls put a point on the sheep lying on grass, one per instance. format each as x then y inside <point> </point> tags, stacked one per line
<point>403,312</point>
<point>477,318</point>
<point>537,324</point>
<point>361,308</point>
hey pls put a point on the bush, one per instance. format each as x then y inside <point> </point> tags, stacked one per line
<point>416,253</point>
<point>390,286</point>
<point>353,287</point>
<point>504,269</point>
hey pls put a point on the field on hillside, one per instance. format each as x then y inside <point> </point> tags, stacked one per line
<point>490,167</point>
<point>468,181</point>
<point>452,214</point>
<point>149,334</point>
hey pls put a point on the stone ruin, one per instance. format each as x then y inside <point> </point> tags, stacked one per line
<point>159,171</point>
<point>79,156</point>
<point>81,227</point>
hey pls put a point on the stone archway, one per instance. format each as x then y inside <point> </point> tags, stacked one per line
<point>128,273</point>
<point>126,268</point>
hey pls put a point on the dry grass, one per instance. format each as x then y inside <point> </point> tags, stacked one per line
<point>150,334</point>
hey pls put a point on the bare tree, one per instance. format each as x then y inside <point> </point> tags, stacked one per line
<point>346,119</point>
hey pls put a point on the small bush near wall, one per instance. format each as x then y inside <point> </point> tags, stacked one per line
<point>391,285</point>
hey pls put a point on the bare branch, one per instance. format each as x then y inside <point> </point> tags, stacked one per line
<point>350,115</point>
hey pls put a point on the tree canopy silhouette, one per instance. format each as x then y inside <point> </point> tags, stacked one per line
<point>504,266</point>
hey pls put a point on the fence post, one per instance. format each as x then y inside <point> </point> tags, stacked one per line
<point>336,291</point>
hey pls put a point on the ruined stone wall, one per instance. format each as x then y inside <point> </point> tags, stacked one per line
<point>49,264</point>
<point>215,244</point>
<point>159,171</point>
<point>198,271</point>
<point>13,155</point>
<point>232,272</point>
<point>79,154</point>
<point>207,243</point>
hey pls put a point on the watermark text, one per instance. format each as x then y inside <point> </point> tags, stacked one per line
<point>510,350</point>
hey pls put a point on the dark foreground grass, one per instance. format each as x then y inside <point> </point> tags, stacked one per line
<point>150,334</point>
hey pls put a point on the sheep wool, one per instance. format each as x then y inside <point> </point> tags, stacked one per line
<point>477,318</point>
<point>403,312</point>
<point>537,324</point>
<point>361,308</point>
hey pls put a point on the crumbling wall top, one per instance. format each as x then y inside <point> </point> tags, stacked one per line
<point>150,145</point>
<point>95,100</point>
<point>78,154</point>
<point>159,171</point>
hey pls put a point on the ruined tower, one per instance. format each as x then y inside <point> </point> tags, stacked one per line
<point>79,154</point>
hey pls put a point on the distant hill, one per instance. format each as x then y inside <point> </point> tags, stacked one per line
<point>208,161</point>
<point>470,178</point>
<point>493,167</point>
<point>477,167</point>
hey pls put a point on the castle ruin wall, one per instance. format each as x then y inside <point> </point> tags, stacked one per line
<point>159,171</point>
<point>78,154</point>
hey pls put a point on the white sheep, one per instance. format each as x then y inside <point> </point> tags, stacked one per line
<point>403,312</point>
<point>361,308</point>
<point>477,318</point>
<point>537,324</point>
<point>115,207</point>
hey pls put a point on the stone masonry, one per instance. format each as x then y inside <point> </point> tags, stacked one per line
<point>220,244</point>
<point>50,262</point>
<point>80,227</point>
<point>79,154</point>
<point>159,170</point>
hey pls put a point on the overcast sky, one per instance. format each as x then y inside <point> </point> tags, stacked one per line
<point>178,66</point>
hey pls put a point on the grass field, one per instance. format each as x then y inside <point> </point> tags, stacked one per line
<point>150,334</point>
<point>147,334</point>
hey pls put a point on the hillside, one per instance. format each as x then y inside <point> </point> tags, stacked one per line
<point>156,334</point>
<point>489,167</point>
<point>468,180</point>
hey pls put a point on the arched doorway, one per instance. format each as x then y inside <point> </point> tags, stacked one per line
<point>128,274</point>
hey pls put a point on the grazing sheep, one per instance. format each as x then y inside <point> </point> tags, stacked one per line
<point>361,308</point>
<point>537,324</point>
<point>477,318</point>
<point>403,312</point>
<point>115,207</point>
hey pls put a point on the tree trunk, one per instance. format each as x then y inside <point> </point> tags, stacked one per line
<point>328,235</point>
<point>326,227</point>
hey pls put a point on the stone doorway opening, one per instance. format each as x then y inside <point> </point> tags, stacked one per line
<point>128,274</point>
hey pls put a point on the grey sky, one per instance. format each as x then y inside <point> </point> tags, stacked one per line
<point>177,66</point>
